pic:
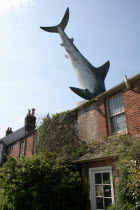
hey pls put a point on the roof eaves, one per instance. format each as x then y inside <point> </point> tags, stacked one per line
<point>107,93</point>
<point>95,159</point>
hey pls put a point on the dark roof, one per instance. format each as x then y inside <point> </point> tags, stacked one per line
<point>13,137</point>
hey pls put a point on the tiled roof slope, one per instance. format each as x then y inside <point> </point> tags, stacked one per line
<point>13,137</point>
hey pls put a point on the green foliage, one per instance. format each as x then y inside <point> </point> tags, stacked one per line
<point>58,134</point>
<point>128,176</point>
<point>40,183</point>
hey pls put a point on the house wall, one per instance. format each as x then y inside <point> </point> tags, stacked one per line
<point>132,108</point>
<point>98,163</point>
<point>92,121</point>
<point>29,146</point>
<point>2,152</point>
<point>29,150</point>
<point>93,118</point>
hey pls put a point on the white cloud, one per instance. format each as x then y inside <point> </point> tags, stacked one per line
<point>6,5</point>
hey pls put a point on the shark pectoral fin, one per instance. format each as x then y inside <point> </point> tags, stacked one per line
<point>62,44</point>
<point>102,71</point>
<point>86,94</point>
<point>72,40</point>
<point>67,56</point>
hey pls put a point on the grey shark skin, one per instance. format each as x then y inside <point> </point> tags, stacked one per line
<point>90,78</point>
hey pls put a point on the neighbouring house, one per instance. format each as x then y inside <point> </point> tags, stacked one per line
<point>20,142</point>
<point>112,113</point>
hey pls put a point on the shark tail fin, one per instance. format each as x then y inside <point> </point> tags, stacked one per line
<point>62,24</point>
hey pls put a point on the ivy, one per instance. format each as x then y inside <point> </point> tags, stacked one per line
<point>127,172</point>
<point>58,134</point>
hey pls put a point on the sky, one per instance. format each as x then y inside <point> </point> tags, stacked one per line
<point>34,72</point>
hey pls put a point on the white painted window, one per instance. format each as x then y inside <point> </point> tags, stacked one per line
<point>22,148</point>
<point>117,119</point>
<point>35,142</point>
<point>11,150</point>
<point>101,188</point>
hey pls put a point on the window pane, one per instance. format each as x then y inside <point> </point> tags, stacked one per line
<point>111,111</point>
<point>116,109</point>
<point>98,178</point>
<point>119,118</point>
<point>121,107</point>
<point>123,117</point>
<point>106,178</point>
<point>107,202</point>
<point>99,203</point>
<point>113,124</point>
<point>113,129</point>
<point>107,191</point>
<point>124,125</point>
<point>119,127</point>
<point>99,190</point>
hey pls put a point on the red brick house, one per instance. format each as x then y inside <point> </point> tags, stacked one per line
<point>114,112</point>
<point>20,142</point>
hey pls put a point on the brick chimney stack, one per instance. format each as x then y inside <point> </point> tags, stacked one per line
<point>9,131</point>
<point>30,121</point>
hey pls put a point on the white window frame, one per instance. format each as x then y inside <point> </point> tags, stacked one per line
<point>108,115</point>
<point>22,149</point>
<point>92,172</point>
<point>35,143</point>
<point>11,151</point>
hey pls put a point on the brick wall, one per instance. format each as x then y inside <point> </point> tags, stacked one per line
<point>98,163</point>
<point>16,149</point>
<point>29,146</point>
<point>92,122</point>
<point>132,108</point>
<point>29,150</point>
<point>93,119</point>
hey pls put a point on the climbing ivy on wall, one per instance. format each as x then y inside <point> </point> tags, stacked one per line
<point>58,134</point>
<point>127,174</point>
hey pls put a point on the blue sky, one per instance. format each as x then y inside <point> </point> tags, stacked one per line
<point>34,72</point>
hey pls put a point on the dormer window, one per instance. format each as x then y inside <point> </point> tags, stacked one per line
<point>117,118</point>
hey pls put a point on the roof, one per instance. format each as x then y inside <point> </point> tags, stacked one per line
<point>93,158</point>
<point>13,137</point>
<point>107,93</point>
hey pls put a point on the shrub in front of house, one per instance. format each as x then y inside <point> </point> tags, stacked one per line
<point>40,183</point>
<point>127,192</point>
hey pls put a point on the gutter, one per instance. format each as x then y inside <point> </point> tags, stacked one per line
<point>108,92</point>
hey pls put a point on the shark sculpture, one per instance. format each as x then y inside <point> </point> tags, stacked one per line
<point>90,78</point>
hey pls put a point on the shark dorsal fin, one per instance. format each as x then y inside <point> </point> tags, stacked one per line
<point>102,70</point>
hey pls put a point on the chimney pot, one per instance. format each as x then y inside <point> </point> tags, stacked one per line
<point>33,112</point>
<point>30,121</point>
<point>9,131</point>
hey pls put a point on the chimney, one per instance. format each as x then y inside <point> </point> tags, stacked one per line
<point>9,131</point>
<point>30,121</point>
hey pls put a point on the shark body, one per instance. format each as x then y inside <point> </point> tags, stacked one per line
<point>90,78</point>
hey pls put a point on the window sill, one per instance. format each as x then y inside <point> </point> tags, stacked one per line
<point>118,134</point>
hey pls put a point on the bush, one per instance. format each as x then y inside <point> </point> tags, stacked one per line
<point>128,176</point>
<point>40,183</point>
